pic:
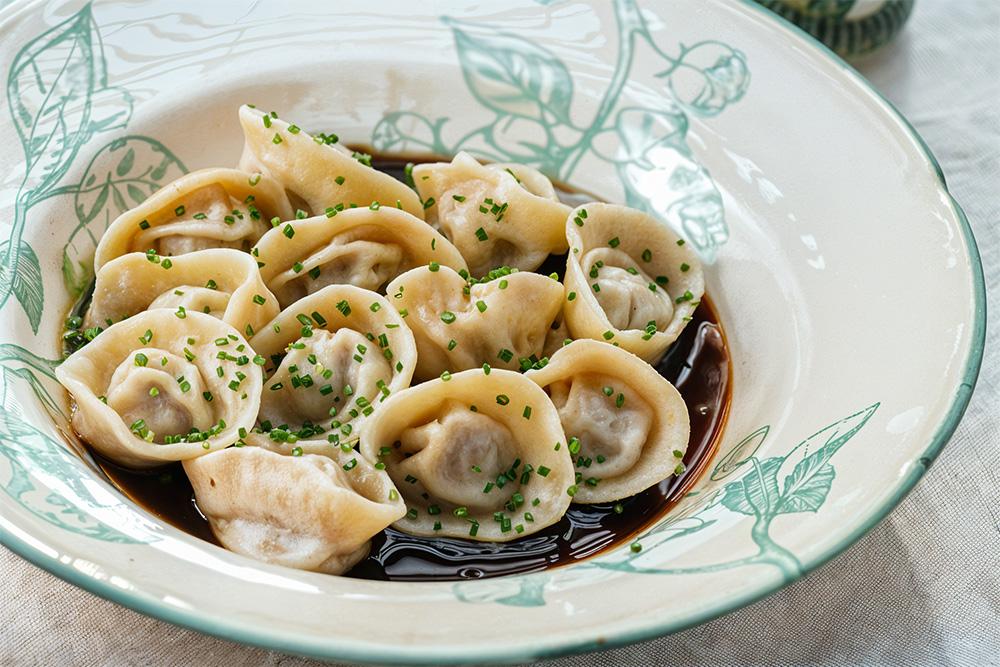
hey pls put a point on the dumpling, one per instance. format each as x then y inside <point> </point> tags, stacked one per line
<point>476,454</point>
<point>212,208</point>
<point>318,173</point>
<point>366,247</point>
<point>309,512</point>
<point>630,280</point>
<point>628,426</point>
<point>163,386</point>
<point>458,325</point>
<point>333,358</point>
<point>493,217</point>
<point>221,282</point>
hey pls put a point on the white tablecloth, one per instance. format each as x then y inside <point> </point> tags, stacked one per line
<point>923,588</point>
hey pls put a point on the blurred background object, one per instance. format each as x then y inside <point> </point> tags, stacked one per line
<point>849,27</point>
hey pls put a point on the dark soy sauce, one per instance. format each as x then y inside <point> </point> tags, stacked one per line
<point>697,364</point>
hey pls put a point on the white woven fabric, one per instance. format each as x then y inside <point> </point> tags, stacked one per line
<point>922,589</point>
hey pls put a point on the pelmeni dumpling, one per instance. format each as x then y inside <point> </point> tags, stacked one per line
<point>155,388</point>
<point>493,217</point>
<point>311,512</point>
<point>630,424</point>
<point>333,358</point>
<point>221,282</point>
<point>458,326</point>
<point>479,455</point>
<point>366,247</point>
<point>630,279</point>
<point>318,173</point>
<point>212,208</point>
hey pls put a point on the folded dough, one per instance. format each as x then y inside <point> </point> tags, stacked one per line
<point>212,208</point>
<point>332,357</point>
<point>221,282</point>
<point>163,386</point>
<point>311,512</point>
<point>357,246</point>
<point>630,280</point>
<point>317,175</point>
<point>630,424</point>
<point>496,215</point>
<point>479,455</point>
<point>458,325</point>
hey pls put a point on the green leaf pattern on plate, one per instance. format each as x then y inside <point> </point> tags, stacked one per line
<point>530,94</point>
<point>54,484</point>
<point>121,175</point>
<point>60,99</point>
<point>796,483</point>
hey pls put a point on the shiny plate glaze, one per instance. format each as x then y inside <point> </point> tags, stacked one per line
<point>843,272</point>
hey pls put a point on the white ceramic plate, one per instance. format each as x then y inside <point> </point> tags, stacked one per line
<point>845,275</point>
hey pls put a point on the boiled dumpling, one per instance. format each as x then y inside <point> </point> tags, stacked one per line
<point>630,280</point>
<point>163,386</point>
<point>476,454</point>
<point>628,425</point>
<point>458,325</point>
<point>318,173</point>
<point>332,358</point>
<point>366,247</point>
<point>311,512</point>
<point>494,217</point>
<point>212,208</point>
<point>223,283</point>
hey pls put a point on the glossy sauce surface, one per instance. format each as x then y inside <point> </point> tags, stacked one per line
<point>697,364</point>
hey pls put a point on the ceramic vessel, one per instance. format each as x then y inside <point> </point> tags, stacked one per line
<point>849,27</point>
<point>845,275</point>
